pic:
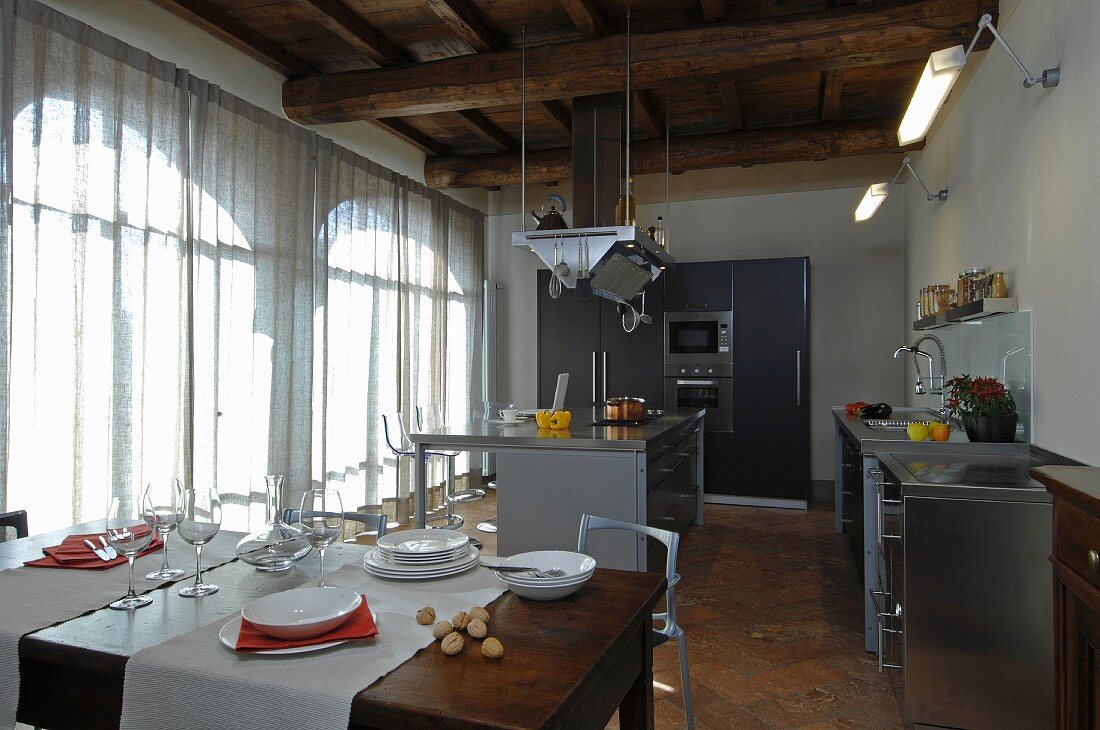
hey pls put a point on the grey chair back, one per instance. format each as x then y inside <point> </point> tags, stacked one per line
<point>16,520</point>
<point>375,522</point>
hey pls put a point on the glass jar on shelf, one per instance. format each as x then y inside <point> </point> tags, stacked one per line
<point>1000,288</point>
<point>944,298</point>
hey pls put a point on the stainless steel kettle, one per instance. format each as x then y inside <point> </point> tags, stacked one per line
<point>551,219</point>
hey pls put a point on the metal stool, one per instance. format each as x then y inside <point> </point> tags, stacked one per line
<point>430,418</point>
<point>397,438</point>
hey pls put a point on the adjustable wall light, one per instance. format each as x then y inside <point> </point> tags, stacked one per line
<point>877,193</point>
<point>939,76</point>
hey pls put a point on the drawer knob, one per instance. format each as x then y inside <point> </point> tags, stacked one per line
<point>1094,560</point>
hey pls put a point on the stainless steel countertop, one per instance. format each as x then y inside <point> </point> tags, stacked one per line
<point>936,471</point>
<point>873,440</point>
<point>581,434</point>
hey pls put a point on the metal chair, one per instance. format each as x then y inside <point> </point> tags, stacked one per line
<point>670,629</point>
<point>16,520</point>
<point>375,522</point>
<point>397,438</point>
<point>430,418</point>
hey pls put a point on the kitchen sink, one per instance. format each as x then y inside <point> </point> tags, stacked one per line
<point>898,424</point>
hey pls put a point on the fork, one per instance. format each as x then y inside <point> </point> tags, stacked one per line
<point>551,573</point>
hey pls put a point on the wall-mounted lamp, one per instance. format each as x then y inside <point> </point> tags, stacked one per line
<point>876,194</point>
<point>939,76</point>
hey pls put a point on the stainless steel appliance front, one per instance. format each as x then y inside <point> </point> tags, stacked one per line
<point>713,393</point>
<point>698,338</point>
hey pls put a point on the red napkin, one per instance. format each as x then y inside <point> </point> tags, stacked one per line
<point>73,553</point>
<point>359,626</point>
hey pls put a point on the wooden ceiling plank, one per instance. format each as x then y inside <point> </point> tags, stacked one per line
<point>647,116</point>
<point>713,10</point>
<point>465,24</point>
<point>832,86</point>
<point>412,135</point>
<point>731,104</point>
<point>485,130</point>
<point>560,117</point>
<point>355,31</point>
<point>586,17</point>
<point>696,152</point>
<point>840,39</point>
<point>223,26</point>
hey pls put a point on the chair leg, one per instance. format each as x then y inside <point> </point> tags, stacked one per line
<point>685,679</point>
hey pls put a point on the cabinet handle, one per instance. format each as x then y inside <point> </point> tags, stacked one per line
<point>690,452</point>
<point>604,378</point>
<point>798,378</point>
<point>1094,560</point>
<point>593,377</point>
<point>697,306</point>
<point>673,468</point>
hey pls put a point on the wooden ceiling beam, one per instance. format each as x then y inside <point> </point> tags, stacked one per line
<point>651,122</point>
<point>465,24</point>
<point>713,10</point>
<point>223,26</point>
<point>586,17</point>
<point>560,117</point>
<point>428,145</point>
<point>485,130</point>
<point>839,39</point>
<point>731,104</point>
<point>832,86</point>
<point>356,32</point>
<point>696,152</point>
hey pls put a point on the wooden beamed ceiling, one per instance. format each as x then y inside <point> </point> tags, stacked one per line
<point>743,81</point>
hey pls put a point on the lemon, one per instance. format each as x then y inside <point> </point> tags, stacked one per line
<point>917,432</point>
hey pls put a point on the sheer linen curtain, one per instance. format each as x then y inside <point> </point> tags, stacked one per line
<point>93,316</point>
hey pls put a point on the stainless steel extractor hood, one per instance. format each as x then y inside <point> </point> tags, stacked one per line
<point>617,261</point>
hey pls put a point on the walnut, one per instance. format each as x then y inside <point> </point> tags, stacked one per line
<point>452,643</point>
<point>425,616</point>
<point>480,614</point>
<point>477,628</point>
<point>460,620</point>
<point>492,649</point>
<point>442,629</point>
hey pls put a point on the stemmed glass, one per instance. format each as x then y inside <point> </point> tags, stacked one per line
<point>322,521</point>
<point>128,533</point>
<point>201,520</point>
<point>165,499</point>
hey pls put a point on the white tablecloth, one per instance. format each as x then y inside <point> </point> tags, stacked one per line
<point>34,598</point>
<point>210,686</point>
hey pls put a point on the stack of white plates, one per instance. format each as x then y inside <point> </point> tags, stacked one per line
<point>421,554</point>
<point>578,568</point>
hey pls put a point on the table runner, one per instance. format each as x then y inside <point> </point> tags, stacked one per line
<point>210,686</point>
<point>35,598</point>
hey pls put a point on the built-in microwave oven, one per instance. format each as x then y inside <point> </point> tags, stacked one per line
<point>698,337</point>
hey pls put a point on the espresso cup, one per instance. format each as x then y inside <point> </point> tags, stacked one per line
<point>509,415</point>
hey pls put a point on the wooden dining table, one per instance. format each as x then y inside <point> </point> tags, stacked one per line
<point>569,663</point>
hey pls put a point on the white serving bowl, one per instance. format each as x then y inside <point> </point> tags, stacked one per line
<point>544,593</point>
<point>577,566</point>
<point>525,579</point>
<point>301,613</point>
<point>574,564</point>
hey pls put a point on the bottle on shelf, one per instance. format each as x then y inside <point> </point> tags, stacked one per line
<point>626,207</point>
<point>659,234</point>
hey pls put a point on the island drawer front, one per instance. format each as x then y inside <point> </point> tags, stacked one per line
<point>665,498</point>
<point>669,452</point>
<point>1077,541</point>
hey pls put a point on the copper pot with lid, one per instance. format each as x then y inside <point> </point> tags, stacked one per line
<point>624,409</point>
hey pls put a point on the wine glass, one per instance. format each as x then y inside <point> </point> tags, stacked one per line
<point>128,532</point>
<point>322,521</point>
<point>165,504</point>
<point>201,520</point>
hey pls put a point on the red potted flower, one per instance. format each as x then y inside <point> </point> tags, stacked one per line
<point>984,407</point>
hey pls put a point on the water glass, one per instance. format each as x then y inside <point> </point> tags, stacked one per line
<point>128,532</point>
<point>165,498</point>
<point>202,518</point>
<point>322,521</point>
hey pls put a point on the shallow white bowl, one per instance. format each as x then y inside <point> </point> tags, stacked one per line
<point>301,613</point>
<point>578,567</point>
<point>527,580</point>
<point>574,564</point>
<point>544,593</point>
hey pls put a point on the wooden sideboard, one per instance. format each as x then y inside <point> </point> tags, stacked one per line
<point>1076,559</point>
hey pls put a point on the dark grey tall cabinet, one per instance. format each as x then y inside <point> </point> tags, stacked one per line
<point>584,336</point>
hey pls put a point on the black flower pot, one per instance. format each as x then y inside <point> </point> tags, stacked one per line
<point>989,429</point>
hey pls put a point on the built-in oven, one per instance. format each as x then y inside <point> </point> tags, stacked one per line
<point>698,338</point>
<point>715,393</point>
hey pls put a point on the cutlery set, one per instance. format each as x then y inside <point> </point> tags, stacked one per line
<point>105,553</point>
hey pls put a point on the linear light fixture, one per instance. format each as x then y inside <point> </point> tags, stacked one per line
<point>939,76</point>
<point>876,194</point>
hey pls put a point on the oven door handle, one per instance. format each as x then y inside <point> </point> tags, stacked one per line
<point>696,382</point>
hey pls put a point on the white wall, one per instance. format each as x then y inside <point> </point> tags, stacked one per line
<point>144,25</point>
<point>1022,165</point>
<point>856,282</point>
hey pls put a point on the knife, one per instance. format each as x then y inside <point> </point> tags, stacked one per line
<point>111,552</point>
<point>100,552</point>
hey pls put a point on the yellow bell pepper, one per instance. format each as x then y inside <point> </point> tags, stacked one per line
<point>560,420</point>
<point>542,418</point>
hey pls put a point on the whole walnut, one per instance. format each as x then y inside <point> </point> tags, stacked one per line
<point>425,616</point>
<point>492,649</point>
<point>477,628</point>
<point>442,629</point>
<point>460,620</point>
<point>452,643</point>
<point>480,614</point>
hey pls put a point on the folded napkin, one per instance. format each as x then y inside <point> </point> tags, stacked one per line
<point>73,553</point>
<point>359,626</point>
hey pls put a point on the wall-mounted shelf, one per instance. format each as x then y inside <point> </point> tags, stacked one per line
<point>976,310</point>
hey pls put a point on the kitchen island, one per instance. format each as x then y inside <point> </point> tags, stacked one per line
<point>647,474</point>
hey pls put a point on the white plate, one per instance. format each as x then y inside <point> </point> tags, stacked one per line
<point>421,576</point>
<point>232,630</point>
<point>302,613</point>
<point>421,560</point>
<point>423,541</point>
<point>524,579</point>
<point>376,565</point>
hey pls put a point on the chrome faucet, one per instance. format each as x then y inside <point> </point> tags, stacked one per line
<point>938,384</point>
